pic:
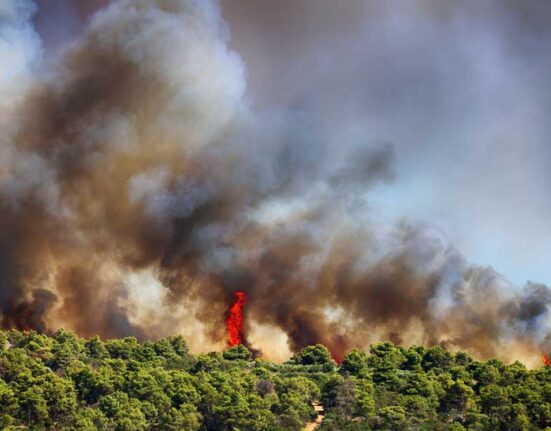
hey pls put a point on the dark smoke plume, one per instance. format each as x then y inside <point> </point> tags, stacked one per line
<point>136,169</point>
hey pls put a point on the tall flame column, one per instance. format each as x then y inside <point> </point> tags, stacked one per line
<point>234,321</point>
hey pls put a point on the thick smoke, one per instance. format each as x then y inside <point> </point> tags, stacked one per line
<point>139,156</point>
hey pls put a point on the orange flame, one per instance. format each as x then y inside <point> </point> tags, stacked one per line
<point>234,321</point>
<point>546,360</point>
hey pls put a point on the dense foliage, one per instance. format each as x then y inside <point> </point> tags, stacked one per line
<point>64,382</point>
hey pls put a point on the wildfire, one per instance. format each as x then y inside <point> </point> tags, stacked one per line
<point>546,360</point>
<point>234,321</point>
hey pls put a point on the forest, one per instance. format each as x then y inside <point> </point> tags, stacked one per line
<point>63,382</point>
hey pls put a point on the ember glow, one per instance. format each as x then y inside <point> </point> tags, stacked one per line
<point>234,321</point>
<point>546,360</point>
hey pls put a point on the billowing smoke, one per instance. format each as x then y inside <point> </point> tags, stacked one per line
<point>135,168</point>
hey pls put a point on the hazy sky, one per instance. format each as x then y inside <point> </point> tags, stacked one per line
<point>460,88</point>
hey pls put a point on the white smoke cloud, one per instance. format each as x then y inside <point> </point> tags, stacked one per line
<point>20,49</point>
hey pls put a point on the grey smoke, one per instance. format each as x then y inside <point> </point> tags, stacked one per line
<point>143,154</point>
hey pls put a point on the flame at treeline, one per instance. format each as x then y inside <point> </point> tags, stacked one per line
<point>546,359</point>
<point>234,321</point>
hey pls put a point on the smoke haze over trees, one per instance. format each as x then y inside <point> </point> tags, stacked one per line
<point>67,382</point>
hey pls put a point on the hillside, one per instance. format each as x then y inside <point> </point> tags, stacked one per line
<point>64,382</point>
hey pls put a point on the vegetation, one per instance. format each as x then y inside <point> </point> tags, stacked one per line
<point>64,382</point>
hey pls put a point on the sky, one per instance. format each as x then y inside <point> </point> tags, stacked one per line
<point>461,89</point>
